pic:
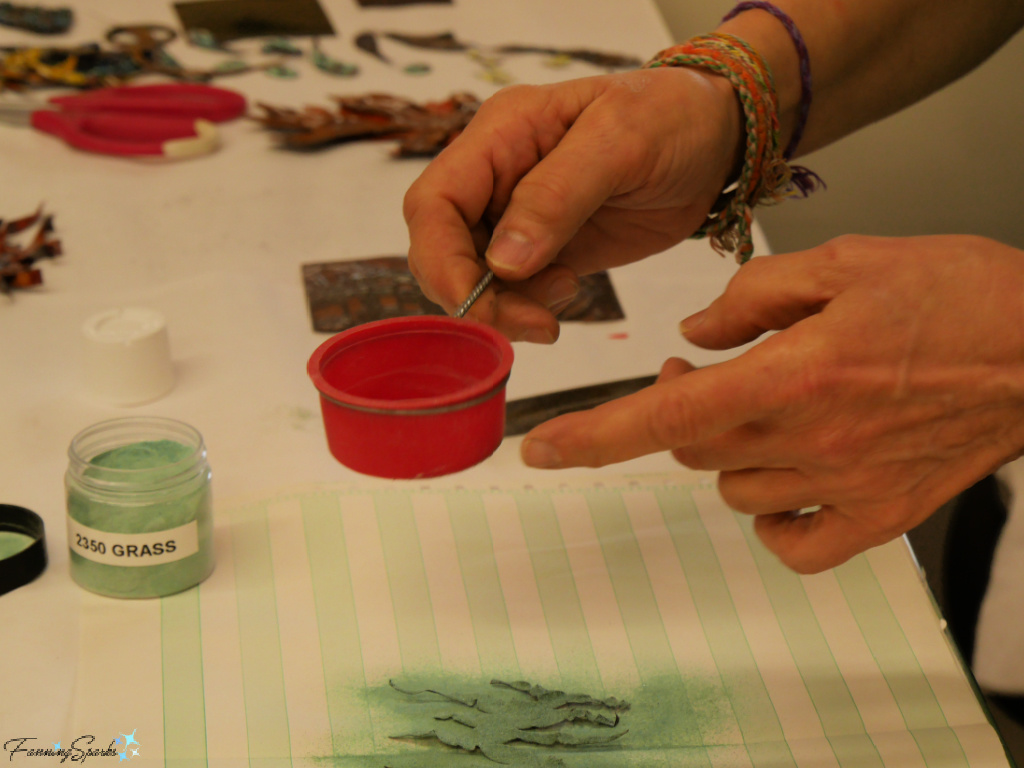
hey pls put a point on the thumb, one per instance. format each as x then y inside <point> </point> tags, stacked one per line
<point>556,197</point>
<point>768,293</point>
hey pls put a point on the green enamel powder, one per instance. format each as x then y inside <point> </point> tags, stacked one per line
<point>150,454</point>
<point>139,513</point>
<point>11,543</point>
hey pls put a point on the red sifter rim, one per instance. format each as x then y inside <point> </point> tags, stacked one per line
<point>463,397</point>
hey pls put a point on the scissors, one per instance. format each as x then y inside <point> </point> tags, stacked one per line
<point>171,120</point>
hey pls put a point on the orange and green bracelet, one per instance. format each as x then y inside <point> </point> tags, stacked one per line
<point>765,176</point>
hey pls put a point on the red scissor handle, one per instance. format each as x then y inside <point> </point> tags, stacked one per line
<point>184,100</point>
<point>123,133</point>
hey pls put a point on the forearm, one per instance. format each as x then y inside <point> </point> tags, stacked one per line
<point>871,58</point>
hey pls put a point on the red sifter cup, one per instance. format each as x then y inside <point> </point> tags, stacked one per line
<point>413,396</point>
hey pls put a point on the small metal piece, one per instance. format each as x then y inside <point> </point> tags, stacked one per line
<point>20,112</point>
<point>523,415</point>
<point>281,46</point>
<point>282,72</point>
<point>331,66</point>
<point>478,289</point>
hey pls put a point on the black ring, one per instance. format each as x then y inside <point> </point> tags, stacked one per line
<point>21,568</point>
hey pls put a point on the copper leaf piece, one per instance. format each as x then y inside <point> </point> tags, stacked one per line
<point>344,294</point>
<point>422,130</point>
<point>17,262</point>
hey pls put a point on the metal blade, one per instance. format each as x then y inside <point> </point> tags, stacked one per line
<point>20,112</point>
<point>523,415</point>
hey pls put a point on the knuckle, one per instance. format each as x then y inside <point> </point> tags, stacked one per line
<point>692,458</point>
<point>796,552</point>
<point>804,563</point>
<point>834,448</point>
<point>894,518</point>
<point>672,423</point>
<point>420,278</point>
<point>512,100</point>
<point>543,196</point>
<point>515,93</point>
<point>412,200</point>
<point>744,283</point>
<point>845,254</point>
<point>753,273</point>
<point>814,377</point>
<point>733,493</point>
<point>837,247</point>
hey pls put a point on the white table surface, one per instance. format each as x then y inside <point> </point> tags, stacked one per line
<point>216,245</point>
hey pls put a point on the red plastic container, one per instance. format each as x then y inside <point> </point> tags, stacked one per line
<point>413,396</point>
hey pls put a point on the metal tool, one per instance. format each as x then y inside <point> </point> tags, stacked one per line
<point>523,415</point>
<point>478,289</point>
<point>170,120</point>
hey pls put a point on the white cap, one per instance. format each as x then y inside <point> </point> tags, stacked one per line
<point>126,358</point>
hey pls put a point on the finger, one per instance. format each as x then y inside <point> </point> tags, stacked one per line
<point>451,208</point>
<point>527,311</point>
<point>815,541</point>
<point>744,447</point>
<point>763,491</point>
<point>667,414</point>
<point>529,316</point>
<point>520,318</point>
<point>673,368</point>
<point>768,293</point>
<point>442,253</point>
<point>554,287</point>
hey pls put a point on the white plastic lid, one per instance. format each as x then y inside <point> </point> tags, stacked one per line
<point>126,356</point>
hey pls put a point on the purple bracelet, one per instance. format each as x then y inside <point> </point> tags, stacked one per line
<point>805,64</point>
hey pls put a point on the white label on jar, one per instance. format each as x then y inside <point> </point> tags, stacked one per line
<point>133,549</point>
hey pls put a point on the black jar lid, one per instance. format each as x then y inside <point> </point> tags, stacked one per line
<point>24,566</point>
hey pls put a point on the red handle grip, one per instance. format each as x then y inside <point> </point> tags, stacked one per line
<point>115,133</point>
<point>192,100</point>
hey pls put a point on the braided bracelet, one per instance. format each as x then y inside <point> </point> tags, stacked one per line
<point>765,175</point>
<point>806,89</point>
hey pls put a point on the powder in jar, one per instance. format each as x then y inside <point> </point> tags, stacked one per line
<point>140,521</point>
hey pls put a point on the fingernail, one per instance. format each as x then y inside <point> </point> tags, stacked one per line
<point>537,453</point>
<point>536,336</point>
<point>692,322</point>
<point>509,249</point>
<point>561,294</point>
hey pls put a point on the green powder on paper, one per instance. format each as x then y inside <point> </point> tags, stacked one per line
<point>143,511</point>
<point>671,720</point>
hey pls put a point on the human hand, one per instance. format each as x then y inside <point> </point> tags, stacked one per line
<point>896,380</point>
<point>570,178</point>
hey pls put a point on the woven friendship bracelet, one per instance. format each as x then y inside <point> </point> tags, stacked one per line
<point>765,176</point>
<point>806,89</point>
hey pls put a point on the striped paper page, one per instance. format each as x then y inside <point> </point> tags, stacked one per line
<point>648,590</point>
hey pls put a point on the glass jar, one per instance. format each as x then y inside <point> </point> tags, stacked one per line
<point>140,519</point>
